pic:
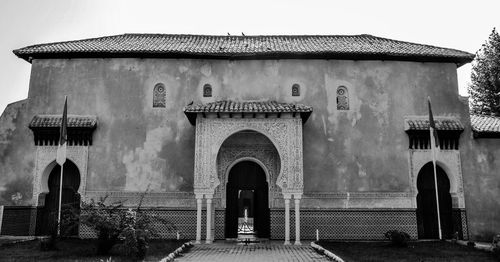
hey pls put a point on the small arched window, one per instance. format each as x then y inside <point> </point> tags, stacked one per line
<point>295,90</point>
<point>207,90</point>
<point>342,98</point>
<point>159,95</point>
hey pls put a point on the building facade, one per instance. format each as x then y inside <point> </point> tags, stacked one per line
<point>303,134</point>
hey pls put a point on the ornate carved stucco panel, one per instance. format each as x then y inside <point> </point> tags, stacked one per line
<point>284,133</point>
<point>450,161</point>
<point>45,161</point>
<point>228,156</point>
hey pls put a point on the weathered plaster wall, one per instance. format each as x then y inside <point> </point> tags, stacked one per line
<point>16,155</point>
<point>137,146</point>
<point>481,168</point>
<point>363,149</point>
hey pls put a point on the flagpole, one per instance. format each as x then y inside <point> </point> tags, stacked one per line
<point>433,151</point>
<point>60,201</point>
<point>436,189</point>
<point>61,158</point>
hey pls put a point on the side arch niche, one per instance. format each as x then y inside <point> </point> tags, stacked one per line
<point>449,161</point>
<point>427,217</point>
<point>70,198</point>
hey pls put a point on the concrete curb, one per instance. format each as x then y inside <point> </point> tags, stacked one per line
<point>477,245</point>
<point>173,255</point>
<point>10,240</point>
<point>327,253</point>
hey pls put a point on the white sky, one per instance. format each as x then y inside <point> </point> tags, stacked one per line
<point>463,25</point>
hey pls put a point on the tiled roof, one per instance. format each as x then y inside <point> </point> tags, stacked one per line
<point>41,121</point>
<point>234,47</point>
<point>485,126</point>
<point>228,106</point>
<point>247,107</point>
<point>441,124</point>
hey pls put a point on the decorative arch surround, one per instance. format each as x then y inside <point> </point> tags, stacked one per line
<point>284,133</point>
<point>342,98</point>
<point>264,155</point>
<point>449,161</point>
<point>45,161</point>
<point>159,95</point>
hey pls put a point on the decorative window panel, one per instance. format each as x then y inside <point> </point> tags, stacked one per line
<point>207,90</point>
<point>295,90</point>
<point>342,98</point>
<point>159,96</point>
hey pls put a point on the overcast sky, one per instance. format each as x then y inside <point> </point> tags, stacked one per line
<point>463,25</point>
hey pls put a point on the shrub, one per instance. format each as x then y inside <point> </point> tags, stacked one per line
<point>114,224</point>
<point>397,238</point>
<point>495,244</point>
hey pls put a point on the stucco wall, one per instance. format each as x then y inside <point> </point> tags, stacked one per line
<point>136,145</point>
<point>363,149</point>
<point>481,166</point>
<point>16,156</point>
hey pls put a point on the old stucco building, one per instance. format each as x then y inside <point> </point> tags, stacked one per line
<point>306,133</point>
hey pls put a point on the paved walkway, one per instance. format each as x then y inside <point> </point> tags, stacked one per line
<point>269,251</point>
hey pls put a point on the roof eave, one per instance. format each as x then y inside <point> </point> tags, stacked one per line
<point>459,61</point>
<point>485,134</point>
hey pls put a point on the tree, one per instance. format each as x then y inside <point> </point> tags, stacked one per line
<point>484,90</point>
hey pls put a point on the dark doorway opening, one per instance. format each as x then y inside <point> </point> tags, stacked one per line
<point>426,203</point>
<point>247,194</point>
<point>70,202</point>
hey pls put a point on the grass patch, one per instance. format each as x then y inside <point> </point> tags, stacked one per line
<point>80,250</point>
<point>416,251</point>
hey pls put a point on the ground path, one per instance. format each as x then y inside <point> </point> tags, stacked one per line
<point>268,251</point>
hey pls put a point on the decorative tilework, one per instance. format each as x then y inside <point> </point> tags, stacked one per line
<point>184,221</point>
<point>345,224</point>
<point>342,224</point>
<point>220,219</point>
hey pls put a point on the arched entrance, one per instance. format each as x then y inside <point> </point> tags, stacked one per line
<point>426,203</point>
<point>70,200</point>
<point>247,201</point>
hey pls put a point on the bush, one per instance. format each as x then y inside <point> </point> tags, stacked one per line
<point>397,238</point>
<point>495,244</point>
<point>114,225</point>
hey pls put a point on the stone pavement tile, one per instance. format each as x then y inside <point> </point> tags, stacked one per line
<point>262,252</point>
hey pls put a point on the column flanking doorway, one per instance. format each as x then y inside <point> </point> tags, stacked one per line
<point>247,194</point>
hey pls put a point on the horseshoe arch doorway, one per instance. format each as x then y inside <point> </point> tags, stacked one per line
<point>70,199</point>
<point>247,202</point>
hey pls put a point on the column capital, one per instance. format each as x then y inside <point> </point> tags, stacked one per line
<point>287,196</point>
<point>198,195</point>
<point>209,197</point>
<point>297,196</point>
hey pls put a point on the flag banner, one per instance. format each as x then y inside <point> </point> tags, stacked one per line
<point>63,136</point>
<point>432,129</point>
